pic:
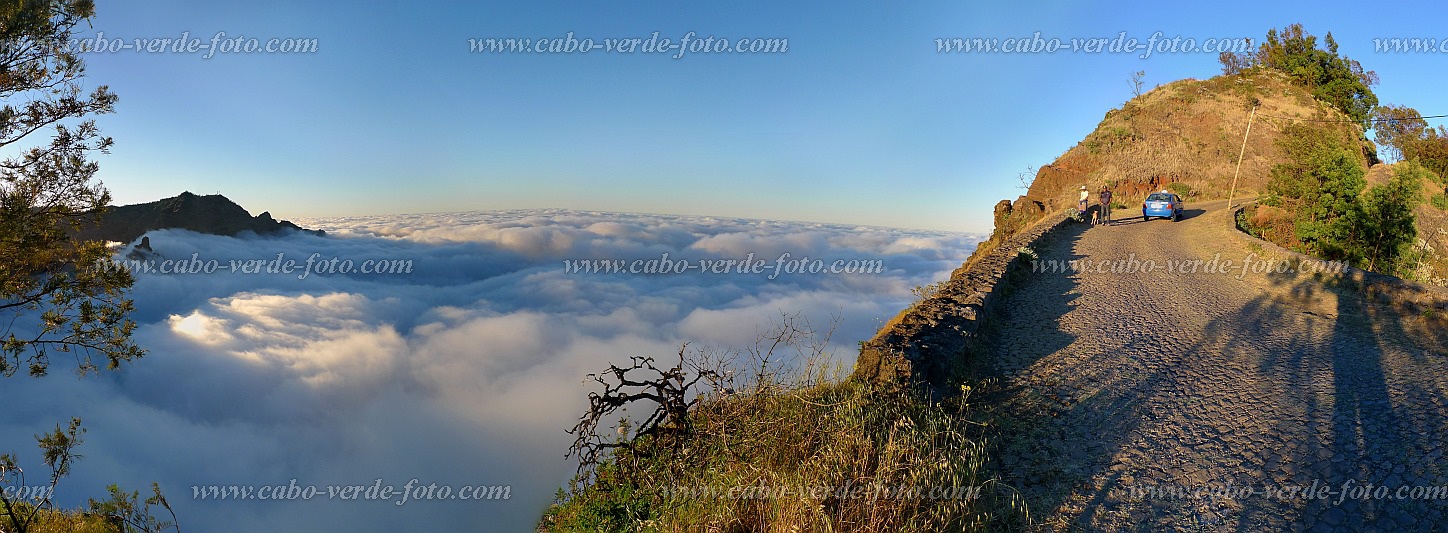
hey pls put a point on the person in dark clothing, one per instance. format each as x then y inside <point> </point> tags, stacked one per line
<point>1105,198</point>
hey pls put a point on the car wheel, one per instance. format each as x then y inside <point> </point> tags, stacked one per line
<point>1144,217</point>
<point>1176,217</point>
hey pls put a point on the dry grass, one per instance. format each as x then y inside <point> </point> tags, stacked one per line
<point>1189,132</point>
<point>53,521</point>
<point>798,448</point>
<point>1272,224</point>
<point>1432,218</point>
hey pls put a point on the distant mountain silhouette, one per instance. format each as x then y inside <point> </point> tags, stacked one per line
<point>212,214</point>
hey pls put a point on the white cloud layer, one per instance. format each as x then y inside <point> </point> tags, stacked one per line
<point>466,371</point>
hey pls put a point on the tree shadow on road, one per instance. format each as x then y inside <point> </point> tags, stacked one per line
<point>1033,306</point>
<point>1035,299</point>
<point>1327,411</point>
<point>1129,221</point>
<point>1389,416</point>
<point>1305,383</point>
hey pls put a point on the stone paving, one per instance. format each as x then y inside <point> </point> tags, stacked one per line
<point>1173,400</point>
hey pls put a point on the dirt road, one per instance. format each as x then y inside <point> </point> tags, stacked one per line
<point>1166,397</point>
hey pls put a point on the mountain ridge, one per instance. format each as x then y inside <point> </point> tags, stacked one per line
<point>212,214</point>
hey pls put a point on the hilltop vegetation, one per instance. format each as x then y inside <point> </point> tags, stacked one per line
<point>1186,135</point>
<point>1332,79</point>
<point>1318,200</point>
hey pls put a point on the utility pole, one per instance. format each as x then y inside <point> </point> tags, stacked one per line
<point>1240,155</point>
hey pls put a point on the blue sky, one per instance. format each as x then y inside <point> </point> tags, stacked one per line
<point>860,122</point>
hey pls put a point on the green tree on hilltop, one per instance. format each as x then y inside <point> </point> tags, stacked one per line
<point>1334,79</point>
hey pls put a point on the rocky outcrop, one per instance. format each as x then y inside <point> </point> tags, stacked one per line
<point>211,214</point>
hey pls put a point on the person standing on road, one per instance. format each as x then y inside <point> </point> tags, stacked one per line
<point>1105,198</point>
<point>1083,203</point>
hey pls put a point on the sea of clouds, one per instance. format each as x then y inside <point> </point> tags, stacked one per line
<point>464,371</point>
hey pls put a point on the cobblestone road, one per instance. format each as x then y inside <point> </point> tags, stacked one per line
<point>1173,400</point>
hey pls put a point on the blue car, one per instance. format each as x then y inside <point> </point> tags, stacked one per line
<point>1162,204</point>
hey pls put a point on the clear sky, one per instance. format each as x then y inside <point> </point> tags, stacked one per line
<point>861,121</point>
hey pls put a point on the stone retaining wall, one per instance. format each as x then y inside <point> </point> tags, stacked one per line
<point>928,342</point>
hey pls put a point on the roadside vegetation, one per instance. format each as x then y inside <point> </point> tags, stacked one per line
<point>774,438</point>
<point>1315,204</point>
<point>1318,199</point>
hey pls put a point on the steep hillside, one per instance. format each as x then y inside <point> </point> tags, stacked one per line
<point>1189,133</point>
<point>1186,136</point>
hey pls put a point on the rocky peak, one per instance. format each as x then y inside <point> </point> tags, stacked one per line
<point>212,214</point>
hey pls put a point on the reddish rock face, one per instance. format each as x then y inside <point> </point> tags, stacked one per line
<point>1002,210</point>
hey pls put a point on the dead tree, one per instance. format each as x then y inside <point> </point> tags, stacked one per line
<point>669,390</point>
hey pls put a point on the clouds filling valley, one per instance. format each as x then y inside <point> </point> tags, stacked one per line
<point>463,371</point>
